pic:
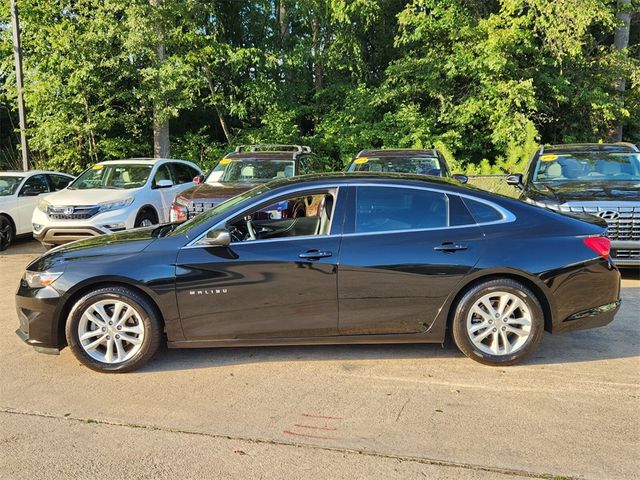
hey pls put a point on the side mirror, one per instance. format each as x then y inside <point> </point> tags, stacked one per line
<point>461,178</point>
<point>515,179</point>
<point>163,184</point>
<point>198,179</point>
<point>218,238</point>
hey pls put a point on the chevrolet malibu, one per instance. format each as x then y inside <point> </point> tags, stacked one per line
<point>369,259</point>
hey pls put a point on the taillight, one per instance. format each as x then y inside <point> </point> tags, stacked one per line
<point>178,213</point>
<point>600,245</point>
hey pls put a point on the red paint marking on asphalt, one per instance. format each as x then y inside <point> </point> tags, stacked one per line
<point>321,416</point>
<point>309,436</point>
<point>315,428</point>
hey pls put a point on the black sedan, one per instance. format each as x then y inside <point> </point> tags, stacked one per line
<point>367,259</point>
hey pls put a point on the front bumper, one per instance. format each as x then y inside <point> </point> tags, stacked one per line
<point>625,253</point>
<point>37,311</point>
<point>58,232</point>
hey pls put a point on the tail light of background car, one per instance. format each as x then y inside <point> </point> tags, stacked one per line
<point>178,213</point>
<point>600,245</point>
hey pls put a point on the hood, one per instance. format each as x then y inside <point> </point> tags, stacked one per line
<point>562,192</point>
<point>90,196</point>
<point>208,191</point>
<point>129,242</point>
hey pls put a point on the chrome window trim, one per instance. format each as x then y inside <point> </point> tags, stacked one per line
<point>507,216</point>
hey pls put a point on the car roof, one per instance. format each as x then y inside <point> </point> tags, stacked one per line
<point>20,173</point>
<point>263,155</point>
<point>141,160</point>
<point>266,151</point>
<point>586,147</point>
<point>354,178</point>
<point>398,152</point>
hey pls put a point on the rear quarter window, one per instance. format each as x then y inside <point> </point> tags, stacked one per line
<point>482,213</point>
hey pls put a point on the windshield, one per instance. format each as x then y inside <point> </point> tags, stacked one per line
<point>120,176</point>
<point>251,170</point>
<point>8,185</point>
<point>221,208</point>
<point>418,165</point>
<point>589,166</point>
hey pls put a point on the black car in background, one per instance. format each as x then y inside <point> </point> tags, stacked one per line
<point>597,179</point>
<point>404,160</point>
<point>373,259</point>
<point>241,170</point>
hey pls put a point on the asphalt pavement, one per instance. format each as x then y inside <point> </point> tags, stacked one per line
<point>353,412</point>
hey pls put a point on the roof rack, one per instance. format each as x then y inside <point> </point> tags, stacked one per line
<point>267,147</point>
<point>628,144</point>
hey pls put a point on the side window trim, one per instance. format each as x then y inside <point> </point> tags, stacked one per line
<point>349,222</point>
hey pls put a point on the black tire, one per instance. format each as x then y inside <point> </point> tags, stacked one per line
<point>7,233</point>
<point>462,337</point>
<point>148,316</point>
<point>145,216</point>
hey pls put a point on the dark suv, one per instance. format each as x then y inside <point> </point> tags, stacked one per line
<point>597,179</point>
<point>244,168</point>
<point>403,160</point>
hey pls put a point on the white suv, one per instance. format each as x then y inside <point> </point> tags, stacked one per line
<point>19,195</point>
<point>112,196</point>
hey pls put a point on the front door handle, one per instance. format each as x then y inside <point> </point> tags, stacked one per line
<point>450,247</point>
<point>314,255</point>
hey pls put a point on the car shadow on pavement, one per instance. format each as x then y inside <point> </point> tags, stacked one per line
<point>24,246</point>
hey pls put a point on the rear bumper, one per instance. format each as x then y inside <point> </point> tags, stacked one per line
<point>591,318</point>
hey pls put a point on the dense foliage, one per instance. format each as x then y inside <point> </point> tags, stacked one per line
<point>483,80</point>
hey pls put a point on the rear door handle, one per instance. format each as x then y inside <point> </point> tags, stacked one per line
<point>450,247</point>
<point>314,255</point>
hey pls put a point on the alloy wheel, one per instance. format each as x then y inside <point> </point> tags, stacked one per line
<point>499,323</point>
<point>146,222</point>
<point>111,331</point>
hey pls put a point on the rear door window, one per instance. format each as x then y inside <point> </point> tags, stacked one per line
<point>59,181</point>
<point>383,209</point>
<point>183,173</point>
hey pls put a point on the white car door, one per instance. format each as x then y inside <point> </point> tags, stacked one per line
<point>163,195</point>
<point>29,194</point>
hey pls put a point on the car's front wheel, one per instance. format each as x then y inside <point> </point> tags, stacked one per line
<point>498,322</point>
<point>7,233</point>
<point>113,329</point>
<point>145,219</point>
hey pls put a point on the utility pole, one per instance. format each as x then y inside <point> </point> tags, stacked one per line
<point>17,54</point>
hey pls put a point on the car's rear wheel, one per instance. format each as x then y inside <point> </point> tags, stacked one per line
<point>113,329</point>
<point>498,322</point>
<point>7,233</point>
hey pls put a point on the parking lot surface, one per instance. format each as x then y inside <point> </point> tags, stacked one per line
<point>390,411</point>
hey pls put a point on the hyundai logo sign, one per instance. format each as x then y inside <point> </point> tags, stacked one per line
<point>609,215</point>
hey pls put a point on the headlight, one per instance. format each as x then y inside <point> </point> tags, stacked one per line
<point>108,206</point>
<point>40,279</point>
<point>43,205</point>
